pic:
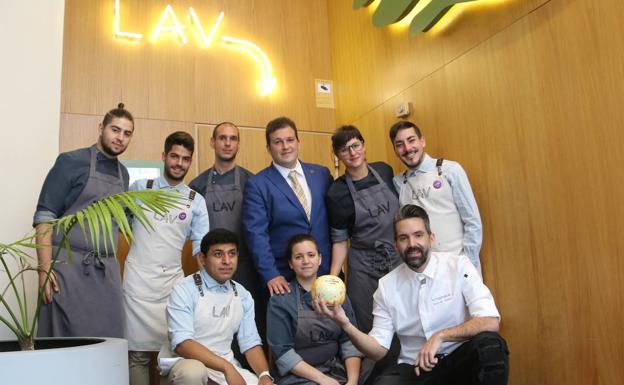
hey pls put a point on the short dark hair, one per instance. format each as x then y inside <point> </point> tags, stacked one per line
<point>298,238</point>
<point>279,123</point>
<point>412,211</point>
<point>403,125</point>
<point>344,134</point>
<point>181,138</point>
<point>214,131</point>
<point>217,237</point>
<point>119,112</point>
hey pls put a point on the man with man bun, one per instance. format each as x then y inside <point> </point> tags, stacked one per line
<point>82,296</point>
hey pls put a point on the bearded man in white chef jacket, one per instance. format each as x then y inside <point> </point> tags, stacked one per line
<point>204,312</point>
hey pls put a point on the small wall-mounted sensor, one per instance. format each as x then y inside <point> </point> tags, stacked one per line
<point>402,110</point>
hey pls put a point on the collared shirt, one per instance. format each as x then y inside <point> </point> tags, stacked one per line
<point>462,196</point>
<point>282,317</point>
<point>199,222</point>
<point>182,304</point>
<point>300,177</point>
<point>415,305</point>
<point>66,180</point>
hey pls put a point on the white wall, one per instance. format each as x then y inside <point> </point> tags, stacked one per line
<point>31,40</point>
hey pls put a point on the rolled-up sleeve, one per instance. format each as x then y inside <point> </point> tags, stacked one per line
<point>247,332</point>
<point>383,329</point>
<point>339,235</point>
<point>180,310</point>
<point>281,334</point>
<point>478,297</point>
<point>54,191</point>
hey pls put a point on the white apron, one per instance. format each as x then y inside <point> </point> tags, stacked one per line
<point>432,192</point>
<point>152,269</point>
<point>216,319</point>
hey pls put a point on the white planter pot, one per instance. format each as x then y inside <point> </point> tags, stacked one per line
<point>102,363</point>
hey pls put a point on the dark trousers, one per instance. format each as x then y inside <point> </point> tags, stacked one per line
<point>482,360</point>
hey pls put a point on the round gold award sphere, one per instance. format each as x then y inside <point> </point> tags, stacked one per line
<point>329,289</point>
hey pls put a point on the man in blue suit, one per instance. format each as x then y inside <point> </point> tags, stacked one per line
<point>285,199</point>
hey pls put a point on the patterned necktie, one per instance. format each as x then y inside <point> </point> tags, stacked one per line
<point>299,192</point>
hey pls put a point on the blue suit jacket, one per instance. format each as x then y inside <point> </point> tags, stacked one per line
<point>272,214</point>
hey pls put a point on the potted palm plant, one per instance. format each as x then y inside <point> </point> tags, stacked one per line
<point>96,221</point>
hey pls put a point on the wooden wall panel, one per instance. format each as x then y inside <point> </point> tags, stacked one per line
<point>378,63</point>
<point>164,80</point>
<point>532,111</point>
<point>314,147</point>
<point>147,141</point>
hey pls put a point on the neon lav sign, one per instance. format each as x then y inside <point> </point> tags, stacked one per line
<point>426,13</point>
<point>169,24</point>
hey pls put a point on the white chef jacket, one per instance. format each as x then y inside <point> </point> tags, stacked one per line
<point>447,293</point>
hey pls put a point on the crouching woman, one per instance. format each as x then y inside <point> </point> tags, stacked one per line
<point>307,347</point>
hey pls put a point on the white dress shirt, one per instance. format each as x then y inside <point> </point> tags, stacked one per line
<point>300,177</point>
<point>415,305</point>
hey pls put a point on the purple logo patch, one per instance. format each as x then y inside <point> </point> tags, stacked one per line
<point>437,184</point>
<point>182,216</point>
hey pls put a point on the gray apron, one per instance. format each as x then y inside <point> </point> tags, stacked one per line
<point>225,207</point>
<point>90,300</point>
<point>225,210</point>
<point>372,254</point>
<point>316,341</point>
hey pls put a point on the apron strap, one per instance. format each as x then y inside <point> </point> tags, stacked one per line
<point>234,288</point>
<point>150,184</point>
<point>298,295</point>
<point>439,166</point>
<point>191,196</point>
<point>93,151</point>
<point>198,283</point>
<point>200,287</point>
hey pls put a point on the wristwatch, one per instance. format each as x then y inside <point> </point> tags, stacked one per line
<point>266,373</point>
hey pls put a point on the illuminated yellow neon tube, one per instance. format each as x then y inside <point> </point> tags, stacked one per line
<point>207,40</point>
<point>267,82</point>
<point>176,28</point>
<point>116,22</point>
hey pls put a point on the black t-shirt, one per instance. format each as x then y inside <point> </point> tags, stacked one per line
<point>340,206</point>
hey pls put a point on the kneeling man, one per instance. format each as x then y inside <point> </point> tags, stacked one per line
<point>443,314</point>
<point>204,312</point>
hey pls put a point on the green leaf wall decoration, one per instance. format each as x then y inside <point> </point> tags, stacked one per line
<point>391,11</point>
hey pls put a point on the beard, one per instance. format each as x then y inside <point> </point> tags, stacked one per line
<point>173,177</point>
<point>108,150</point>
<point>415,262</point>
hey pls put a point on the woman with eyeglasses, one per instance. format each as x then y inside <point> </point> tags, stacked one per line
<point>361,205</point>
<point>307,347</point>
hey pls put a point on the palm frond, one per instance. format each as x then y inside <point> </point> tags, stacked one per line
<point>96,222</point>
<point>98,217</point>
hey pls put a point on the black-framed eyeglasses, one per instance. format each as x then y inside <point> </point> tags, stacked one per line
<point>355,146</point>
